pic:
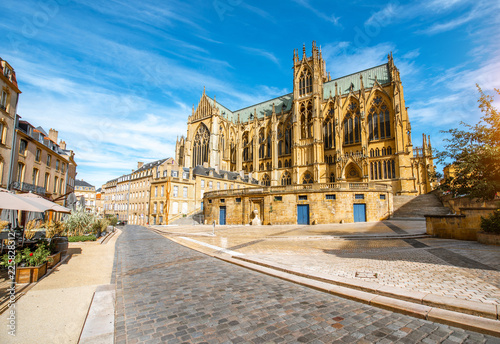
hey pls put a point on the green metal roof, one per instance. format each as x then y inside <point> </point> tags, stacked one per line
<point>381,73</point>
<point>344,83</point>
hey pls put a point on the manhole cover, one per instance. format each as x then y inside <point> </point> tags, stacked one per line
<point>363,274</point>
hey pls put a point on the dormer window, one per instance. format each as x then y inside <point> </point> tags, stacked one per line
<point>305,83</point>
<point>7,72</point>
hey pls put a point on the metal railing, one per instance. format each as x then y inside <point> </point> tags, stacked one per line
<point>26,187</point>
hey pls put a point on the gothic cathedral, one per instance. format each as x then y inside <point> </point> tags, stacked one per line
<point>351,129</point>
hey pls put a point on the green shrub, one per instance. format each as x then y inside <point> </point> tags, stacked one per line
<point>491,224</point>
<point>82,238</point>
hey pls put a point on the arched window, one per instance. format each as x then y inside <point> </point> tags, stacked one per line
<point>389,151</point>
<point>307,178</point>
<point>246,147</point>
<point>262,145</point>
<point>329,131</point>
<point>384,151</point>
<point>332,177</point>
<point>305,82</point>
<point>279,164</point>
<point>268,144</point>
<point>222,142</point>
<point>265,180</point>
<point>379,122</point>
<point>377,152</point>
<point>286,179</point>
<point>306,120</point>
<point>201,145</point>
<point>288,137</point>
<point>372,153</point>
<point>352,128</point>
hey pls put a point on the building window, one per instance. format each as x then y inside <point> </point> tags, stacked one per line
<point>55,184</point>
<point>20,172</point>
<point>49,159</point>
<point>63,167</point>
<point>57,165</point>
<point>306,122</point>
<point>23,145</point>
<point>174,173</point>
<point>305,83</point>
<point>238,200</point>
<point>222,200</point>
<point>176,191</point>
<point>225,186</point>
<point>329,131</point>
<point>175,208</point>
<point>382,197</point>
<point>352,127</point>
<point>218,185</point>
<point>331,197</point>
<point>185,192</point>
<point>156,191</point>
<point>3,101</point>
<point>307,179</point>
<point>278,198</point>
<point>46,182</point>
<point>34,179</point>
<point>379,122</point>
<point>38,155</point>
<point>359,196</point>
<point>201,145</point>
<point>210,185</point>
<point>286,179</point>
<point>202,183</point>
<point>209,201</point>
<point>302,197</point>
<point>162,191</point>
<point>185,175</point>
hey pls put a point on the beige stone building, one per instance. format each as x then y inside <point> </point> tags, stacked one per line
<point>99,202</point>
<point>42,166</point>
<point>88,192</point>
<point>9,97</point>
<point>353,129</point>
<point>178,191</point>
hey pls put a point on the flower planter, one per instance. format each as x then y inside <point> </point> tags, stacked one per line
<point>30,274</point>
<point>488,238</point>
<point>52,260</point>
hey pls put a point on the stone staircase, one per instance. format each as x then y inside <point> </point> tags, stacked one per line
<point>193,219</point>
<point>418,206</point>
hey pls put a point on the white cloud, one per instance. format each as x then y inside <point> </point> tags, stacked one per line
<point>329,18</point>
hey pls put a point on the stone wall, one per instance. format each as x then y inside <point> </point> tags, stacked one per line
<point>278,205</point>
<point>464,226</point>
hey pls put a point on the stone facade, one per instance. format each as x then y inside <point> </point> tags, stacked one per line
<point>41,165</point>
<point>9,97</point>
<point>88,192</point>
<point>325,203</point>
<point>351,129</point>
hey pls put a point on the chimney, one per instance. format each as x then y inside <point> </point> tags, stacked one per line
<point>139,164</point>
<point>53,134</point>
<point>62,144</point>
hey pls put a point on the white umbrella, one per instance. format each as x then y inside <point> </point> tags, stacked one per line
<point>9,200</point>
<point>45,202</point>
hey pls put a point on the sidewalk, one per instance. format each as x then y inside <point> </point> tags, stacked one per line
<point>54,310</point>
<point>390,258</point>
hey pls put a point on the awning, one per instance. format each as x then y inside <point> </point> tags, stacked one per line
<point>44,202</point>
<point>9,200</point>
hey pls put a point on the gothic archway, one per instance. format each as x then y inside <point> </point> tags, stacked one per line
<point>201,144</point>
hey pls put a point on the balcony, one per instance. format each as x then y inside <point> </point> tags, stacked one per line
<point>28,188</point>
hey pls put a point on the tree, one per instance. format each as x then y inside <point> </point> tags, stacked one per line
<point>475,154</point>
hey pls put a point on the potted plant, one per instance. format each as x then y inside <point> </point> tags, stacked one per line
<point>30,265</point>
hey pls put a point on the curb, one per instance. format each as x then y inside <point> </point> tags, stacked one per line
<point>99,326</point>
<point>430,307</point>
<point>27,286</point>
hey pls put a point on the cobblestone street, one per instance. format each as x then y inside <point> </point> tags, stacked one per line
<point>167,293</point>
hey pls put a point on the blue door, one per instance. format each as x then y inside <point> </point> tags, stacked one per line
<point>359,212</point>
<point>222,215</point>
<point>303,214</point>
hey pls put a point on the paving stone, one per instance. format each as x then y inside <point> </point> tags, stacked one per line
<point>170,294</point>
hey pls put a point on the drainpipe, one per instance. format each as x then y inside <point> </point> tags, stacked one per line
<point>12,153</point>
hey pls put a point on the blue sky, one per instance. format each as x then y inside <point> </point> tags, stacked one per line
<point>118,78</point>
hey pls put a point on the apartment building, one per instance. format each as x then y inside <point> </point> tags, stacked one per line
<point>41,165</point>
<point>88,192</point>
<point>9,97</point>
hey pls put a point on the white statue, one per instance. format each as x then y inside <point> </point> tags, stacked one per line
<point>256,221</point>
